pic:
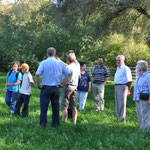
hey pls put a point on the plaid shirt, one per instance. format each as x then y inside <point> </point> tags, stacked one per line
<point>100,73</point>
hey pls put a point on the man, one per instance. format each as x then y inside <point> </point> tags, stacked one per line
<point>69,91</point>
<point>123,82</point>
<point>100,78</point>
<point>52,71</point>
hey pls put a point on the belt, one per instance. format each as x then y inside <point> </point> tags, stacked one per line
<point>50,86</point>
<point>71,84</point>
<point>121,84</point>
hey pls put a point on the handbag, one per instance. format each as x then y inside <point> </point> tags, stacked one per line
<point>144,96</point>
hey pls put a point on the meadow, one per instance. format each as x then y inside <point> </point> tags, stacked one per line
<point>94,130</point>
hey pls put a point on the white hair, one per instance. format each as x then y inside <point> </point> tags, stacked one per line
<point>121,56</point>
<point>143,65</point>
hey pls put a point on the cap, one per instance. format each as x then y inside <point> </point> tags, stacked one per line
<point>24,66</point>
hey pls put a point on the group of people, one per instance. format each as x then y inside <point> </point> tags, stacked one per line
<point>76,84</point>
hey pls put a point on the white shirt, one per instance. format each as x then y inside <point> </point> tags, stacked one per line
<point>123,75</point>
<point>74,69</point>
<point>26,86</point>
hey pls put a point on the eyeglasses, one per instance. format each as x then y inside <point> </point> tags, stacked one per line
<point>118,60</point>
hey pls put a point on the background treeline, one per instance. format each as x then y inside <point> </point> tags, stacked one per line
<point>91,28</point>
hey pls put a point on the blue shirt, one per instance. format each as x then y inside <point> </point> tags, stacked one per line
<point>100,73</point>
<point>52,71</point>
<point>84,80</point>
<point>74,69</point>
<point>141,85</point>
<point>12,79</point>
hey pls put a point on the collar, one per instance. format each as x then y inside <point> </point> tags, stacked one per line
<point>121,66</point>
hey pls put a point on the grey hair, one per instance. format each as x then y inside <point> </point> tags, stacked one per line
<point>51,51</point>
<point>143,65</point>
<point>70,51</point>
<point>122,57</point>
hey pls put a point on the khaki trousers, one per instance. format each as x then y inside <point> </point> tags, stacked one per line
<point>98,91</point>
<point>143,110</point>
<point>121,92</point>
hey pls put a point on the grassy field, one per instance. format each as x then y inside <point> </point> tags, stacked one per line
<point>94,130</point>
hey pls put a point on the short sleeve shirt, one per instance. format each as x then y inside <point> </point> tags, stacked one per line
<point>83,84</point>
<point>52,71</point>
<point>12,79</point>
<point>100,73</point>
<point>26,86</point>
<point>123,75</point>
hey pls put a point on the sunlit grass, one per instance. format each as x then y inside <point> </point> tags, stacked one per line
<point>94,130</point>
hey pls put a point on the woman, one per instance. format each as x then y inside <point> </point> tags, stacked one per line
<point>84,86</point>
<point>142,85</point>
<point>12,87</point>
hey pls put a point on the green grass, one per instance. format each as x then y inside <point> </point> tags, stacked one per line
<point>94,130</point>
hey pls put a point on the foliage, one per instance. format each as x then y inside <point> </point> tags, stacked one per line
<point>90,28</point>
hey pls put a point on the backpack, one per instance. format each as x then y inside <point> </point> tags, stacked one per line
<point>16,78</point>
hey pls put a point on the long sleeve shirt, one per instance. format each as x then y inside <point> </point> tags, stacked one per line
<point>141,85</point>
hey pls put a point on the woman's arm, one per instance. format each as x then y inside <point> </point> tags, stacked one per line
<point>12,84</point>
<point>6,85</point>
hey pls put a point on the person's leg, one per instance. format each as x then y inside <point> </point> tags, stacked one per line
<point>83,97</point>
<point>74,115</point>
<point>18,104</point>
<point>101,96</point>
<point>8,96</point>
<point>117,101</point>
<point>65,115</point>
<point>73,104</point>
<point>78,98</point>
<point>14,100</point>
<point>96,96</point>
<point>145,114</point>
<point>44,102</point>
<point>66,102</point>
<point>55,106</point>
<point>26,105</point>
<point>139,113</point>
<point>123,90</point>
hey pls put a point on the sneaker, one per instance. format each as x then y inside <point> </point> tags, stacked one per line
<point>11,111</point>
<point>97,110</point>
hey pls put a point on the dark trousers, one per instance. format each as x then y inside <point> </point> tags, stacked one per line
<point>22,99</point>
<point>49,93</point>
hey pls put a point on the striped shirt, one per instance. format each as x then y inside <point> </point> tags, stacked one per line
<point>100,73</point>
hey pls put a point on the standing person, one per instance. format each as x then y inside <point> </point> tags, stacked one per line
<point>25,91</point>
<point>100,78</point>
<point>123,82</point>
<point>52,71</point>
<point>84,86</point>
<point>142,86</point>
<point>12,86</point>
<point>69,91</point>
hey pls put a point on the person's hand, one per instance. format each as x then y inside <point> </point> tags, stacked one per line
<point>8,84</point>
<point>5,89</point>
<point>129,94</point>
<point>58,58</point>
<point>89,90</point>
<point>40,87</point>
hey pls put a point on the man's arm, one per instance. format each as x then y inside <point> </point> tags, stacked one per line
<point>129,87</point>
<point>37,79</point>
<point>89,86</point>
<point>65,80</point>
<point>107,78</point>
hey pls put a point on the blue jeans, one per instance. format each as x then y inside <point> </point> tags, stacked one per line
<point>49,93</point>
<point>81,96</point>
<point>11,99</point>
